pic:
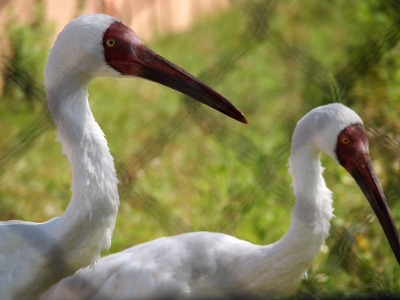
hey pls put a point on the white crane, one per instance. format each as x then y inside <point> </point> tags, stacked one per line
<point>34,256</point>
<point>210,265</point>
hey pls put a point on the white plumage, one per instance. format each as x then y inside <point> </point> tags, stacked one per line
<point>210,265</point>
<point>34,256</point>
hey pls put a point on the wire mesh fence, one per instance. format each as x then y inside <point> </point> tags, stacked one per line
<point>372,57</point>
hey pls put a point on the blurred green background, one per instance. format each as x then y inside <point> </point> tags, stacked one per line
<point>184,167</point>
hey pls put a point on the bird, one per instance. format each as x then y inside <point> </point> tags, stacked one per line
<point>212,265</point>
<point>34,256</point>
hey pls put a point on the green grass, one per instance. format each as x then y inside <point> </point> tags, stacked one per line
<point>233,177</point>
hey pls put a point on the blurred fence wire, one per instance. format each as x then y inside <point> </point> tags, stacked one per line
<point>331,85</point>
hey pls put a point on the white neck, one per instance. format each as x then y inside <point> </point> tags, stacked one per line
<point>313,207</point>
<point>283,264</point>
<point>86,226</point>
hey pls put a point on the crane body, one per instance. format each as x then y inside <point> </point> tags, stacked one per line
<point>193,265</point>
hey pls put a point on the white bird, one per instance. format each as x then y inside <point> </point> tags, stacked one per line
<point>34,256</point>
<point>214,265</point>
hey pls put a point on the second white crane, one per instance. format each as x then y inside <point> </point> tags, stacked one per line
<point>207,265</point>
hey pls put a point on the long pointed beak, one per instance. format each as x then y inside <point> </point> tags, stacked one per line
<point>149,65</point>
<point>364,174</point>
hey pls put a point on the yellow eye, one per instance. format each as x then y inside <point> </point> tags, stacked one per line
<point>110,42</point>
<point>345,141</point>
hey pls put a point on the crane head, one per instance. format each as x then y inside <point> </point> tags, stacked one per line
<point>98,45</point>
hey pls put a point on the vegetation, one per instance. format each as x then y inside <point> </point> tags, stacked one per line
<point>184,167</point>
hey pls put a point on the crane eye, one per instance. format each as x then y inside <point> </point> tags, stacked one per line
<point>345,141</point>
<point>110,42</point>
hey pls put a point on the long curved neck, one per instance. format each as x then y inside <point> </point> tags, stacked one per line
<point>313,207</point>
<point>86,226</point>
<point>288,259</point>
<point>311,213</point>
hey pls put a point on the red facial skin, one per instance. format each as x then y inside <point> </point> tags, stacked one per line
<point>353,155</point>
<point>124,52</point>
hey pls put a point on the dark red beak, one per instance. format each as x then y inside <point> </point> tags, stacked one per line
<point>125,53</point>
